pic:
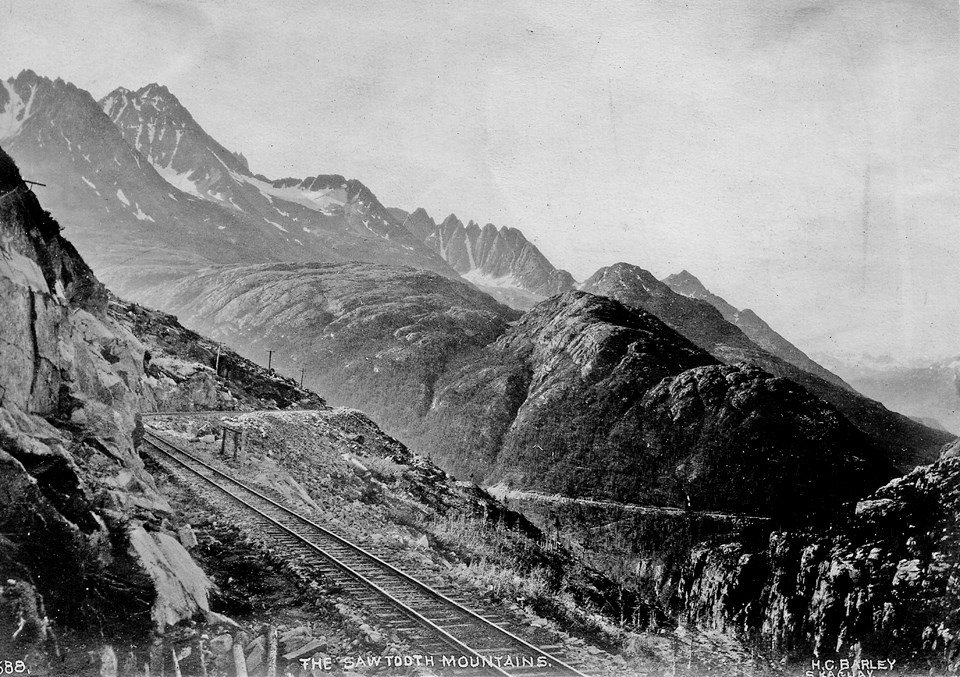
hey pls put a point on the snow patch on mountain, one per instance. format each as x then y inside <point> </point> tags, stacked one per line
<point>141,216</point>
<point>16,112</point>
<point>122,197</point>
<point>317,200</point>
<point>179,180</point>
<point>478,277</point>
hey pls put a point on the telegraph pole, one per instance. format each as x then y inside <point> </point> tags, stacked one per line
<point>302,371</point>
<point>269,359</point>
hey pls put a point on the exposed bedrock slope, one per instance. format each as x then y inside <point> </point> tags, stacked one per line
<point>72,489</point>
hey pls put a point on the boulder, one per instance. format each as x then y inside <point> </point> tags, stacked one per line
<point>182,587</point>
<point>188,539</point>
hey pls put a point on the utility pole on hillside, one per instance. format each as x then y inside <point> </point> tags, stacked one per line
<point>269,360</point>
<point>302,372</point>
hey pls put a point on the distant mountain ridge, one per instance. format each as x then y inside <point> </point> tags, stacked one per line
<point>148,195</point>
<point>501,261</point>
<point>752,325</point>
<point>931,391</point>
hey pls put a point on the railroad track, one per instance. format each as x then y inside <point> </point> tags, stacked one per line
<point>460,640</point>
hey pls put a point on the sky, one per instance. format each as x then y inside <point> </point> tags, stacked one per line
<point>799,157</point>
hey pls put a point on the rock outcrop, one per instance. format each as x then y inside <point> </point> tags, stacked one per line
<point>72,484</point>
<point>881,584</point>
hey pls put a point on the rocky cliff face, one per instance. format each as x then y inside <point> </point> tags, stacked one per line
<point>906,442</point>
<point>880,585</point>
<point>501,261</point>
<point>75,496</point>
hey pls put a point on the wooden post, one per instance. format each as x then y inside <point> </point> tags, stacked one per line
<point>108,662</point>
<point>243,447</point>
<point>239,662</point>
<point>157,657</point>
<point>203,659</point>
<point>272,651</point>
<point>223,440</point>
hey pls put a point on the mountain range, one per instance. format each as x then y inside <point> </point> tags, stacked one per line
<point>147,195</point>
<point>500,261</point>
<point>930,393</point>
<point>385,309</point>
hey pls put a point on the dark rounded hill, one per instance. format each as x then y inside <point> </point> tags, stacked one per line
<point>587,396</point>
<point>905,442</point>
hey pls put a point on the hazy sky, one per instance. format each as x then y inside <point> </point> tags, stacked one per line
<point>800,157</point>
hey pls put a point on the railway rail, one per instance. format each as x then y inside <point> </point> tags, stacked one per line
<point>460,640</point>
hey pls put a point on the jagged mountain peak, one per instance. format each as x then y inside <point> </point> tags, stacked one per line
<point>499,260</point>
<point>143,187</point>
<point>156,123</point>
<point>625,276</point>
<point>420,224</point>
<point>451,220</point>
<point>684,279</point>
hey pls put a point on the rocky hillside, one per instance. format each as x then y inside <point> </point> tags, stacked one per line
<point>572,386</point>
<point>368,336</point>
<point>590,398</point>
<point>906,442</point>
<point>79,511</point>
<point>149,195</point>
<point>500,261</point>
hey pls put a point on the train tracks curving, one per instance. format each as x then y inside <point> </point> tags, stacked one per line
<point>451,638</point>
